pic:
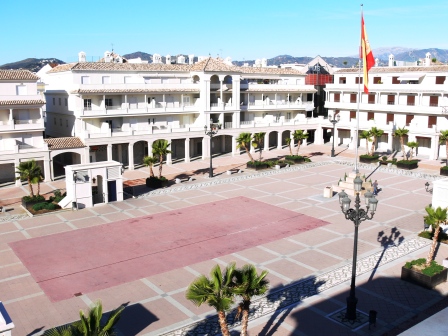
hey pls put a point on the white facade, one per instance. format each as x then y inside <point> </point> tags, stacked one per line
<point>21,124</point>
<point>119,109</point>
<point>413,97</point>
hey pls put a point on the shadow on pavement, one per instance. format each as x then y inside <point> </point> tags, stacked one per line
<point>134,319</point>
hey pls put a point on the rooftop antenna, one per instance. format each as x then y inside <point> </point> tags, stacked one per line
<point>112,47</point>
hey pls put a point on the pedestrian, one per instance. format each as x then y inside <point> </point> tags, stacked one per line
<point>375,187</point>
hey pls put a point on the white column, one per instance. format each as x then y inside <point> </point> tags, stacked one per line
<point>86,154</point>
<point>220,94</point>
<point>187,150</point>
<point>353,136</point>
<point>390,140</point>
<point>109,152</point>
<point>47,171</point>
<point>10,117</point>
<point>131,156</point>
<point>433,154</point>
<point>318,136</point>
<point>234,150</point>
<point>266,141</point>
<point>16,165</point>
<point>221,119</point>
<point>150,148</point>
<point>292,144</point>
<point>279,140</point>
<point>169,160</point>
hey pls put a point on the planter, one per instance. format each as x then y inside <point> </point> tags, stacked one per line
<point>368,159</point>
<point>443,172</point>
<point>423,280</point>
<point>408,165</point>
<point>295,159</point>
<point>155,183</point>
<point>261,166</point>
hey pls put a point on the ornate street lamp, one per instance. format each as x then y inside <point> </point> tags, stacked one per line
<point>356,215</point>
<point>334,121</point>
<point>427,188</point>
<point>211,133</point>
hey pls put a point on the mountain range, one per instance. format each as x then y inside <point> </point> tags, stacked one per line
<point>400,54</point>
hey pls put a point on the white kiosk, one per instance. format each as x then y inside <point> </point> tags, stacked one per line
<point>93,183</point>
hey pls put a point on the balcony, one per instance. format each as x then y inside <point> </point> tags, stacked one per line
<point>21,97</point>
<point>131,109</point>
<point>138,88</point>
<point>18,125</point>
<point>272,105</point>
<point>386,107</point>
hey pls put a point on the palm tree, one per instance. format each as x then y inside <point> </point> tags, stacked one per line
<point>216,292</point>
<point>366,135</point>
<point>288,142</point>
<point>412,145</point>
<point>443,138</point>
<point>258,141</point>
<point>299,136</point>
<point>434,218</point>
<point>401,133</point>
<point>149,161</point>
<point>243,141</point>
<point>30,171</point>
<point>249,284</point>
<point>90,324</point>
<point>376,133</point>
<point>159,150</point>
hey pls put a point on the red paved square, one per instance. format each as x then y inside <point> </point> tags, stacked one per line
<point>107,255</point>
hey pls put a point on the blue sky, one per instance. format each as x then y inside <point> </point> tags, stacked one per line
<point>241,29</point>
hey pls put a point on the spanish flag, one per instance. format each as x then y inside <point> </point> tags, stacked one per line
<point>366,54</point>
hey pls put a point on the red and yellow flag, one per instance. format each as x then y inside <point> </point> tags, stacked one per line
<point>366,54</point>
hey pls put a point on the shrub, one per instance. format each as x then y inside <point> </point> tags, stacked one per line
<point>366,156</point>
<point>39,206</point>
<point>433,269</point>
<point>259,163</point>
<point>430,234</point>
<point>35,198</point>
<point>290,162</point>
<point>444,168</point>
<point>307,159</point>
<point>51,206</point>
<point>294,157</point>
<point>408,162</point>
<point>384,158</point>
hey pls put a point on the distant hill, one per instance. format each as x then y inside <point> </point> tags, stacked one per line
<point>287,59</point>
<point>148,57</point>
<point>31,64</point>
<point>413,55</point>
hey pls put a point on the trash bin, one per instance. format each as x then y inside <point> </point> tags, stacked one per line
<point>328,192</point>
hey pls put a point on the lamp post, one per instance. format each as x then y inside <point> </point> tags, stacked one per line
<point>211,133</point>
<point>334,121</point>
<point>356,215</point>
<point>427,188</point>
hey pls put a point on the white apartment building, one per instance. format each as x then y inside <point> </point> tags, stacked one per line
<point>118,108</point>
<point>415,97</point>
<point>21,124</point>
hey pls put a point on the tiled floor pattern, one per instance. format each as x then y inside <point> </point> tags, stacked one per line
<point>157,303</point>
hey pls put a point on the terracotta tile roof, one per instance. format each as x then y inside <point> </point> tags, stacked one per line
<point>264,89</point>
<point>17,75</point>
<point>64,143</point>
<point>433,68</point>
<point>210,64</point>
<point>274,71</point>
<point>22,102</point>
<point>84,91</point>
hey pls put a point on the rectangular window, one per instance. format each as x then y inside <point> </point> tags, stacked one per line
<point>352,114</point>
<point>288,115</point>
<point>411,100</point>
<point>371,98</point>
<point>309,97</point>
<point>54,101</point>
<point>108,102</point>
<point>409,119</point>
<point>370,116</point>
<point>358,80</point>
<point>21,90</point>
<point>377,80</point>
<point>342,80</point>
<point>353,97</point>
<point>433,100</point>
<point>395,80</point>
<point>440,79</point>
<point>390,117</point>
<point>337,97</point>
<point>390,99</point>
<point>432,120</point>
<point>186,100</point>
<point>106,80</point>
<point>65,101</point>
<point>59,99</point>
<point>87,104</point>
<point>85,80</point>
<point>127,79</point>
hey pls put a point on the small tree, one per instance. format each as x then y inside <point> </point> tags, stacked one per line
<point>299,136</point>
<point>30,171</point>
<point>149,162</point>
<point>258,142</point>
<point>434,218</point>
<point>216,291</point>
<point>401,133</point>
<point>412,145</point>
<point>249,284</point>
<point>289,143</point>
<point>443,139</point>
<point>159,150</point>
<point>243,141</point>
<point>366,135</point>
<point>376,133</point>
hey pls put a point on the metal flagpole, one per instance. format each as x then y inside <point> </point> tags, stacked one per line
<point>355,170</point>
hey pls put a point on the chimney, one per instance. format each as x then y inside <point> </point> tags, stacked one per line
<point>156,58</point>
<point>190,59</point>
<point>82,57</point>
<point>168,59</point>
<point>377,62</point>
<point>391,60</point>
<point>107,57</point>
<point>428,59</point>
